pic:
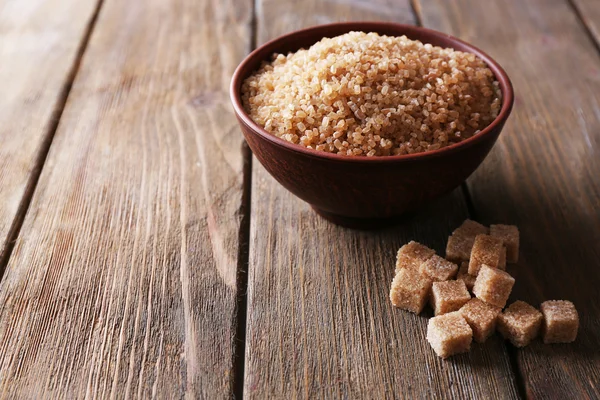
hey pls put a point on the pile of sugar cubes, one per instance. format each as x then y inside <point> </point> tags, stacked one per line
<point>422,276</point>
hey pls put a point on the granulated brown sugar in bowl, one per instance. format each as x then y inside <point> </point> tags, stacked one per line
<point>374,95</point>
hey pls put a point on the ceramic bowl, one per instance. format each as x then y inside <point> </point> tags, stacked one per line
<point>359,191</point>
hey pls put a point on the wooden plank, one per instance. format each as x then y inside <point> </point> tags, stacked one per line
<point>123,280</point>
<point>39,40</point>
<point>320,323</point>
<point>589,12</point>
<point>277,17</point>
<point>543,175</point>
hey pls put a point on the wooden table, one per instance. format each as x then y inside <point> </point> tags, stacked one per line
<point>146,254</point>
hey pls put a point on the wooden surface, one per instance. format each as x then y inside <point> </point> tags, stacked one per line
<point>320,323</point>
<point>128,277</point>
<point>589,12</point>
<point>39,41</point>
<point>543,173</point>
<point>274,17</point>
<point>123,280</point>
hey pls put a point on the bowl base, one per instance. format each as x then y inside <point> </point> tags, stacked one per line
<point>361,223</point>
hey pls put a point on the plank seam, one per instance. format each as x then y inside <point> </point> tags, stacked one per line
<point>468,201</point>
<point>511,351</point>
<point>240,316</point>
<point>513,357</point>
<point>416,10</point>
<point>239,345</point>
<point>586,28</point>
<point>40,160</point>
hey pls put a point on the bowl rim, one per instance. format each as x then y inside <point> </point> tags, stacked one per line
<point>506,89</point>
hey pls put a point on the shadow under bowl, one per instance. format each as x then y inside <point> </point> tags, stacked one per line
<point>359,191</point>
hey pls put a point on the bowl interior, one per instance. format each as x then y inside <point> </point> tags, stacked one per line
<point>307,37</point>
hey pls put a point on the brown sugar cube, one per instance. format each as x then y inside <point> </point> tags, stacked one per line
<point>438,268</point>
<point>458,248</point>
<point>486,250</point>
<point>463,275</point>
<point>502,261</point>
<point>471,228</point>
<point>411,255</point>
<point>449,334</point>
<point>520,323</point>
<point>461,241</point>
<point>509,234</point>
<point>561,321</point>
<point>448,296</point>
<point>410,290</point>
<point>481,317</point>
<point>493,286</point>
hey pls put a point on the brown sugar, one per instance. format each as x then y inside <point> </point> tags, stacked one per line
<point>561,321</point>
<point>449,334</point>
<point>365,94</point>
<point>410,290</point>
<point>459,319</point>
<point>502,261</point>
<point>493,286</point>
<point>438,268</point>
<point>509,234</point>
<point>471,228</point>
<point>411,255</point>
<point>481,317</point>
<point>461,241</point>
<point>520,323</point>
<point>487,250</point>
<point>448,296</point>
<point>463,275</point>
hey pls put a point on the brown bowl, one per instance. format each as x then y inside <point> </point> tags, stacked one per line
<point>359,191</point>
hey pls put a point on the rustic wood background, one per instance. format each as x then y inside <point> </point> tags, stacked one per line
<point>146,254</point>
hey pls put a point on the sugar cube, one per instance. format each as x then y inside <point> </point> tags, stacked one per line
<point>471,228</point>
<point>412,254</point>
<point>502,261</point>
<point>481,317</point>
<point>449,334</point>
<point>520,323</point>
<point>438,268</point>
<point>486,250</point>
<point>410,290</point>
<point>493,286</point>
<point>461,241</point>
<point>509,234</point>
<point>561,321</point>
<point>448,296</point>
<point>463,275</point>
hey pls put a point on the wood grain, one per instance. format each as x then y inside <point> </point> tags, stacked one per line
<point>543,174</point>
<point>123,280</point>
<point>320,323</point>
<point>589,12</point>
<point>275,17</point>
<point>39,41</point>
